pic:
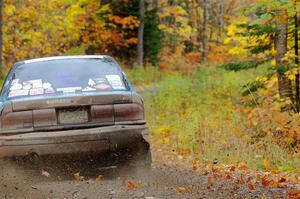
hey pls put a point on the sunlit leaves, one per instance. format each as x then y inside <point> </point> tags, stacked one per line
<point>45,28</point>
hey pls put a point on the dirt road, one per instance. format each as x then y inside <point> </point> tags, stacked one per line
<point>54,178</point>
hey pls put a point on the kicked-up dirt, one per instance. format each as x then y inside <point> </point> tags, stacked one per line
<point>90,177</point>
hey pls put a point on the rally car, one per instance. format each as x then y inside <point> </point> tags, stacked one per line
<point>69,105</point>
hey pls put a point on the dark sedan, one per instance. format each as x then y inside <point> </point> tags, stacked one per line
<point>71,104</point>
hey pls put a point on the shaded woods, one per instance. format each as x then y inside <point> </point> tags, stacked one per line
<point>239,57</point>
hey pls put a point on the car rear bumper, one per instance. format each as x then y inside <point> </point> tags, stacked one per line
<point>100,139</point>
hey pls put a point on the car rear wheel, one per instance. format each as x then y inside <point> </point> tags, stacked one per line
<point>137,156</point>
<point>143,160</point>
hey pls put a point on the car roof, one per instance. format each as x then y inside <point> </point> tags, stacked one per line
<point>63,58</point>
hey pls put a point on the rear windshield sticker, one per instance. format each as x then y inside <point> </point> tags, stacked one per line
<point>36,83</point>
<point>15,81</point>
<point>17,93</point>
<point>102,87</point>
<point>36,91</point>
<point>91,82</point>
<point>27,86</point>
<point>47,85</point>
<point>49,90</point>
<point>88,89</point>
<point>100,80</point>
<point>69,89</point>
<point>16,86</point>
<point>115,81</point>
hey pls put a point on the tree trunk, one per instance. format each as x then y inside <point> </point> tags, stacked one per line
<point>297,79</point>
<point>221,28</point>
<point>140,45</point>
<point>204,39</point>
<point>1,37</point>
<point>198,21</point>
<point>284,84</point>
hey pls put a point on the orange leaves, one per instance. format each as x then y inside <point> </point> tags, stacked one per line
<point>242,166</point>
<point>131,185</point>
<point>194,57</point>
<point>78,177</point>
<point>242,176</point>
<point>218,53</point>
<point>268,117</point>
<point>265,181</point>
<point>251,186</point>
<point>56,27</point>
<point>294,195</point>
<point>210,180</point>
<point>99,179</point>
<point>130,22</point>
<point>131,41</point>
<point>269,181</point>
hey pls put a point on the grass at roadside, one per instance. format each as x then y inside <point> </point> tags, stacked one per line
<point>201,115</point>
<point>144,77</point>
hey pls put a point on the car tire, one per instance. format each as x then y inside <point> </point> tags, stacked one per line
<point>143,156</point>
<point>144,160</point>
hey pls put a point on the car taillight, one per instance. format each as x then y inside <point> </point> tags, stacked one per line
<point>128,112</point>
<point>103,114</point>
<point>17,120</point>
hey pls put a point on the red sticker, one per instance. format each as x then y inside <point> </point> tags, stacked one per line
<point>17,93</point>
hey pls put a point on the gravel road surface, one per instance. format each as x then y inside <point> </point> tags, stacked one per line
<point>88,178</point>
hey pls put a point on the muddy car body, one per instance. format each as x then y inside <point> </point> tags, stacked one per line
<point>72,104</point>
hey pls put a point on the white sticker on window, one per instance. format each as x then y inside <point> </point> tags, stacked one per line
<point>16,86</point>
<point>15,81</point>
<point>49,90</point>
<point>17,93</point>
<point>27,86</point>
<point>91,82</point>
<point>115,82</point>
<point>36,91</point>
<point>88,89</point>
<point>47,85</point>
<point>69,89</point>
<point>100,80</point>
<point>36,83</point>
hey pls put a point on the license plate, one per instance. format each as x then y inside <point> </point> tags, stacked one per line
<point>73,116</point>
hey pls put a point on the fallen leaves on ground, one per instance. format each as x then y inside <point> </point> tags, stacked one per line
<point>181,189</point>
<point>99,179</point>
<point>253,179</point>
<point>240,174</point>
<point>45,173</point>
<point>131,185</point>
<point>78,177</point>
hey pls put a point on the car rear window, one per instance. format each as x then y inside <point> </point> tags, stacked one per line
<point>67,76</point>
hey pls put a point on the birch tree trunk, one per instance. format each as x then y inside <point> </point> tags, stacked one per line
<point>204,39</point>
<point>140,45</point>
<point>297,79</point>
